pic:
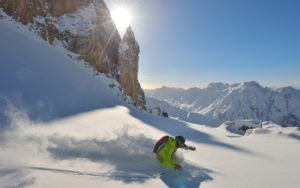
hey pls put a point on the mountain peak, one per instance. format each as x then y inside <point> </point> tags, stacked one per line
<point>129,38</point>
<point>128,58</point>
<point>217,85</point>
<point>289,90</point>
<point>129,33</point>
<point>251,84</point>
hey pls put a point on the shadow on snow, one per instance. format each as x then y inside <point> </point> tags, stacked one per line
<point>191,176</point>
<point>175,127</point>
<point>131,156</point>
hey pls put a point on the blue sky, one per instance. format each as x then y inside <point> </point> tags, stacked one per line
<point>191,43</point>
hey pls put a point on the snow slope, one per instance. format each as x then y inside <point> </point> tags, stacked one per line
<point>93,139</point>
<point>44,80</point>
<point>182,114</point>
<point>95,149</point>
<point>247,100</point>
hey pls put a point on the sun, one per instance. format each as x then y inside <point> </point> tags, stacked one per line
<point>122,18</point>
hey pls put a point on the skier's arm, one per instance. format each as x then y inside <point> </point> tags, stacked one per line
<point>189,147</point>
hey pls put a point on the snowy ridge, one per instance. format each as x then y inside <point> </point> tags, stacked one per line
<point>182,114</point>
<point>247,100</point>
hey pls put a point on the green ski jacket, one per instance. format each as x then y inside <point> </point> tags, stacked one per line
<point>166,153</point>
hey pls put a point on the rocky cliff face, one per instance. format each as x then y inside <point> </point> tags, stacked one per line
<point>128,58</point>
<point>83,27</point>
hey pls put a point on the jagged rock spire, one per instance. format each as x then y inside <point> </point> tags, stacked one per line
<point>127,74</point>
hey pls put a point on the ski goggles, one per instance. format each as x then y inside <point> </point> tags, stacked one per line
<point>179,142</point>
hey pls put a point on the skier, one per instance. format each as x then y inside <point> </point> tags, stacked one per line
<point>167,146</point>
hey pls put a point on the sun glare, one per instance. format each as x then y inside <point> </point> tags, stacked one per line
<point>122,18</point>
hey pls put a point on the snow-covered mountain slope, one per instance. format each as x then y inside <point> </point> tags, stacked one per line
<point>44,80</point>
<point>182,114</point>
<point>247,100</point>
<point>83,27</point>
<point>112,147</point>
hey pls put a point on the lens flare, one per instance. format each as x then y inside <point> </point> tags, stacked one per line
<point>122,18</point>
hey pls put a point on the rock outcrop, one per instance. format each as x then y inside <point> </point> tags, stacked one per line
<point>84,27</point>
<point>127,69</point>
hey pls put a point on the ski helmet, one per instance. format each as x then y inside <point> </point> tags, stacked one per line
<point>180,140</point>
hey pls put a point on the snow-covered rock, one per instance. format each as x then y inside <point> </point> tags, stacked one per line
<point>241,126</point>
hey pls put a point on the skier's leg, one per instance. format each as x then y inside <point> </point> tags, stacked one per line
<point>159,158</point>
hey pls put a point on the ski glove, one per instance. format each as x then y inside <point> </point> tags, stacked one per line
<point>192,148</point>
<point>189,147</point>
<point>178,167</point>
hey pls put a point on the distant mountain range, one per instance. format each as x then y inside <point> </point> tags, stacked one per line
<point>247,100</point>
